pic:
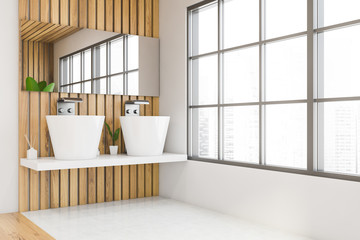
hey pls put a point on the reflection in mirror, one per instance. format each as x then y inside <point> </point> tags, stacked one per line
<point>98,62</point>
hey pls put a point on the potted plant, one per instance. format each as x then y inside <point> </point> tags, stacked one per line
<point>114,137</point>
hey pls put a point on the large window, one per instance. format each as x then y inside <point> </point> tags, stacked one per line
<point>110,67</point>
<point>275,84</point>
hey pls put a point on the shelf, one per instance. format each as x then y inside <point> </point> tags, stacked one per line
<point>50,163</point>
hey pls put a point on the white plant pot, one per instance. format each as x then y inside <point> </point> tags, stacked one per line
<point>114,150</point>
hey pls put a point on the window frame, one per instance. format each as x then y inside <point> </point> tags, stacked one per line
<point>108,74</point>
<point>313,76</point>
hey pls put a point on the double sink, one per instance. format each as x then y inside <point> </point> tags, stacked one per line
<point>78,137</point>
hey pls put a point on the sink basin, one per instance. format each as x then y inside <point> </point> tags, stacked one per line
<point>144,135</point>
<point>75,137</point>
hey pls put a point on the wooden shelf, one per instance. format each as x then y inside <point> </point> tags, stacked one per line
<point>50,163</point>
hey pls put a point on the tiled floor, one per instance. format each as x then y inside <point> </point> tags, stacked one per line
<point>149,218</point>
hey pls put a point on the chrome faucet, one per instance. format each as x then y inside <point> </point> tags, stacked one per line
<point>66,106</point>
<point>132,107</point>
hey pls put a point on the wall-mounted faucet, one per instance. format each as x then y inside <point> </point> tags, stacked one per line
<point>132,107</point>
<point>66,106</point>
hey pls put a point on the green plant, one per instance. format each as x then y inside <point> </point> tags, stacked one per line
<point>115,135</point>
<point>32,85</point>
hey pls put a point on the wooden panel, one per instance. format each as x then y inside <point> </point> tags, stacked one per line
<point>31,60</point>
<point>64,12</point>
<point>34,10</point>
<point>141,17</point>
<point>83,13</point>
<point>125,170</point>
<point>74,173</point>
<point>117,15</point>
<point>125,16</point>
<point>133,17</point>
<point>148,18</point>
<point>109,15</point>
<point>155,18</point>
<point>92,171</point>
<point>100,171</point>
<point>83,107</point>
<point>23,9</point>
<point>100,14</point>
<point>44,150</point>
<point>16,226</point>
<point>133,173</point>
<point>64,188</point>
<point>34,138</point>
<point>74,13</point>
<point>44,11</point>
<point>54,11</point>
<point>117,169</point>
<point>92,14</point>
<point>109,177</point>
<point>54,175</point>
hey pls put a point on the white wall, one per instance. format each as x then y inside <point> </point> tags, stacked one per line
<point>320,208</point>
<point>9,45</point>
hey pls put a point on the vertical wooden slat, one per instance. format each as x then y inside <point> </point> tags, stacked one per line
<point>141,17</point>
<point>44,11</point>
<point>125,174</point>
<point>109,15</point>
<point>51,63</point>
<point>83,110</point>
<point>54,11</point>
<point>125,16</point>
<point>92,171</point>
<point>23,9</point>
<point>148,167</point>
<point>25,62</point>
<point>44,150</point>
<point>117,16</point>
<point>109,177</point>
<point>100,14</point>
<point>155,14</point>
<point>92,14</point>
<point>36,61</point>
<point>133,17</point>
<point>41,62</point>
<point>148,18</point>
<point>23,129</point>
<point>34,10</point>
<point>34,138</point>
<point>83,13</point>
<point>117,169</point>
<point>74,173</point>
<point>31,59</point>
<point>100,171</point>
<point>46,62</point>
<point>54,174</point>
<point>64,12</point>
<point>64,178</point>
<point>155,174</point>
<point>74,13</point>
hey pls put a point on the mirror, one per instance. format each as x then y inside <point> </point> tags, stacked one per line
<point>91,61</point>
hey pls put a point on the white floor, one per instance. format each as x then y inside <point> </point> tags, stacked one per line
<point>149,218</point>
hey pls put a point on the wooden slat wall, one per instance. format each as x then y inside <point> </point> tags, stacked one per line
<point>53,189</point>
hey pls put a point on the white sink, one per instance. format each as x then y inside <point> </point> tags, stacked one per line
<point>144,135</point>
<point>75,137</point>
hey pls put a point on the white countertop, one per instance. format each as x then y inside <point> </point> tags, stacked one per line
<point>50,163</point>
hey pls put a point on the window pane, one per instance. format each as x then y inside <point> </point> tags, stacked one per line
<point>76,68</point>
<point>76,88</point>
<point>204,80</point>
<point>87,64</point>
<point>241,134</point>
<point>87,87</point>
<point>241,75</point>
<point>286,70</point>
<point>117,85</point>
<point>204,29</point>
<point>205,133</point>
<point>100,86</point>
<point>116,56</point>
<point>100,60</point>
<point>133,83</point>
<point>133,52</point>
<point>336,11</point>
<point>285,135</point>
<point>341,136</point>
<point>341,62</point>
<point>65,71</point>
<point>241,22</point>
<point>284,17</point>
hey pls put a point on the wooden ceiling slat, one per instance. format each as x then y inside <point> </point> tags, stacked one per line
<point>44,33</point>
<point>36,31</point>
<point>29,27</point>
